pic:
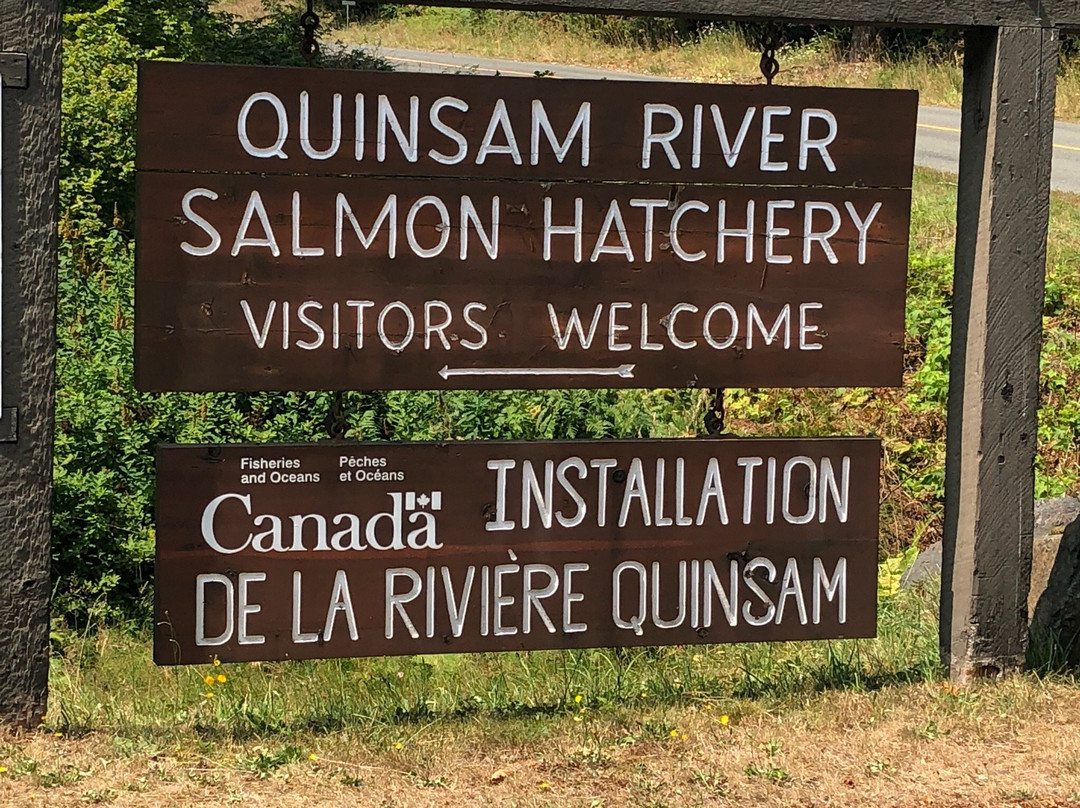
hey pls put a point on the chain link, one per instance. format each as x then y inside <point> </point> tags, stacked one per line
<point>769,66</point>
<point>716,414</point>
<point>309,45</point>
<point>335,423</point>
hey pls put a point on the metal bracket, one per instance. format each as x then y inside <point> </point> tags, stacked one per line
<point>9,425</point>
<point>14,70</point>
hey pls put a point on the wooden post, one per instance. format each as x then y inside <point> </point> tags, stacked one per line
<point>31,147</point>
<point>1002,216</point>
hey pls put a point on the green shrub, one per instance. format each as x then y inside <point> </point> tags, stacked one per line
<point>106,430</point>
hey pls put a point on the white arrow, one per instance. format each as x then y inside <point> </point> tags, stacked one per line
<point>622,371</point>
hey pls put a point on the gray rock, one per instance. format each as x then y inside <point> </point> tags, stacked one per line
<point>1051,515</point>
<point>927,565</point>
<point>1055,599</point>
<point>1043,557</point>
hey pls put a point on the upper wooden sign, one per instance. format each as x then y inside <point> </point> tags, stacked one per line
<point>345,230</point>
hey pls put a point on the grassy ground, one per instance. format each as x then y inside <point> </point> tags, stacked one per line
<point>852,724</point>
<point>720,56</point>
<point>844,723</point>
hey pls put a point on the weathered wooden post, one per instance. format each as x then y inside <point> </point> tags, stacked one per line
<point>1010,62</point>
<point>30,140</point>
<point>1002,217</point>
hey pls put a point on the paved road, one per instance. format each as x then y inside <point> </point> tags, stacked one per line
<point>937,142</point>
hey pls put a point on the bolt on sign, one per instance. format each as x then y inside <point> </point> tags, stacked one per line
<point>350,549</point>
<point>355,230</point>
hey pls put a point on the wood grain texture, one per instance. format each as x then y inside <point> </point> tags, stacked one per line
<point>32,132</point>
<point>237,136</point>
<point>192,332</point>
<point>878,13</point>
<point>1002,216</point>
<point>611,502</point>
<point>189,116</point>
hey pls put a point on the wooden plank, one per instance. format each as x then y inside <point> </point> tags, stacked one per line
<point>598,528</point>
<point>193,118</point>
<point>31,137</point>
<point>1002,216</point>
<point>878,13</point>
<point>354,317</point>
<point>310,142</point>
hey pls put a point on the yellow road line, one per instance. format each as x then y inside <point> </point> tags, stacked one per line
<point>938,128</point>
<point>957,131</point>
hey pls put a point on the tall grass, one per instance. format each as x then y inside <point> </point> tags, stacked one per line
<point>664,47</point>
<point>106,682</point>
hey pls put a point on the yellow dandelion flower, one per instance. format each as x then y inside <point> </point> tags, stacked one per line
<point>58,735</point>
<point>3,769</point>
<point>312,757</point>
<point>398,745</point>
<point>674,733</point>
<point>697,657</point>
<point>209,680</point>
<point>724,720</point>
<point>708,706</point>
<point>545,786</point>
<point>221,678</point>
<point>577,699</point>
<point>217,662</point>
<point>683,736</point>
<point>209,694</point>
<point>644,694</point>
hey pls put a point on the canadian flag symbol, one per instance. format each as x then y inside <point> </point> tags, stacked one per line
<point>432,501</point>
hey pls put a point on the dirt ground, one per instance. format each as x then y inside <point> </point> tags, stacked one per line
<point>1012,743</point>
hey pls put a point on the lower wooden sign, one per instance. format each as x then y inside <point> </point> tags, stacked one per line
<point>348,549</point>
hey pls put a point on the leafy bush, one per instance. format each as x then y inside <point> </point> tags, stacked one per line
<point>106,431</point>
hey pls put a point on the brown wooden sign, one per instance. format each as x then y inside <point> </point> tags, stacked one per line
<point>345,550</point>
<point>348,232</point>
<point>265,120</point>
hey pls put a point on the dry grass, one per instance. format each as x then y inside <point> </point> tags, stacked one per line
<point>717,57</point>
<point>1016,742</point>
<point>721,56</point>
<point>856,724</point>
<point>244,9</point>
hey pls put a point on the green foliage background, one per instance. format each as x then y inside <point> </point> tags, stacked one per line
<point>106,430</point>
